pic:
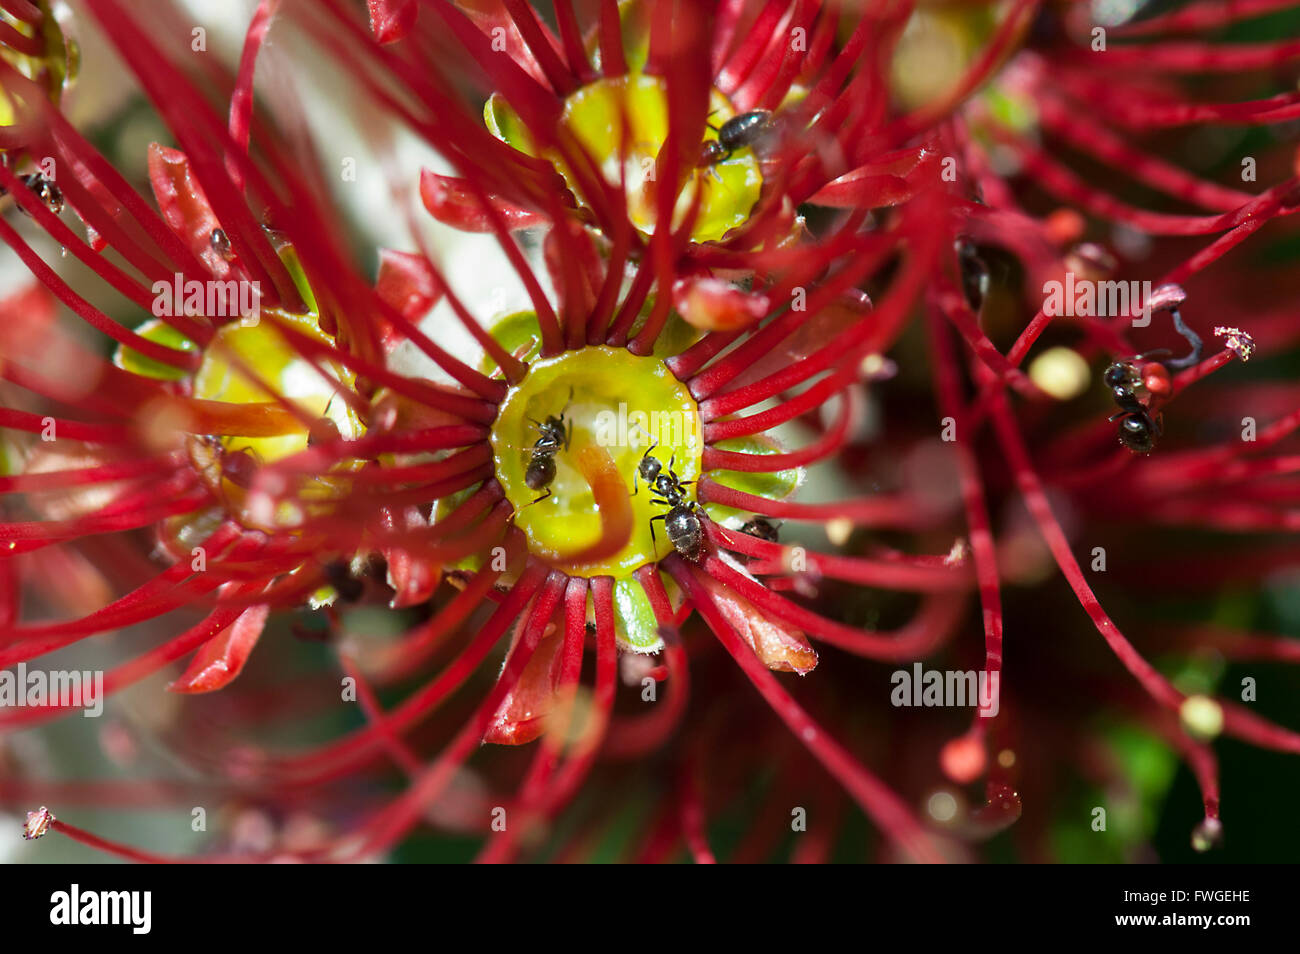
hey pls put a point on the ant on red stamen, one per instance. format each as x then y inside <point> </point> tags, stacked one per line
<point>1130,380</point>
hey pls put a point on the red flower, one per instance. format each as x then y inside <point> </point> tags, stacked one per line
<point>723,217</point>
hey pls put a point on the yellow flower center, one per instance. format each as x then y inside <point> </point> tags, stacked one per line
<point>618,403</point>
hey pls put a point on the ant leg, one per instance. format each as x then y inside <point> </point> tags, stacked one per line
<point>518,510</point>
<point>527,505</point>
<point>1192,357</point>
<point>568,430</point>
<point>653,542</point>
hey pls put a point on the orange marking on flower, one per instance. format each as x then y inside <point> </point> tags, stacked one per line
<point>224,419</point>
<point>612,501</point>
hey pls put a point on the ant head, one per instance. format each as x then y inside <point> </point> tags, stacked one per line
<point>712,152</point>
<point>552,428</point>
<point>650,467</point>
<point>1119,374</point>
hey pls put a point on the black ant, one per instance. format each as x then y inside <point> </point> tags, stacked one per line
<point>1138,428</point>
<point>238,466</point>
<point>323,430</point>
<point>348,587</point>
<point>762,528</point>
<point>50,195</point>
<point>353,578</point>
<point>736,133</point>
<point>555,435</point>
<point>682,521</point>
<point>220,243</point>
<point>974,274</point>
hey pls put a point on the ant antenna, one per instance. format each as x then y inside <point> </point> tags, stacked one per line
<point>653,443</point>
<point>636,473</point>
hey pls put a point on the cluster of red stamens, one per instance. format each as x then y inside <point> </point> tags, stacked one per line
<point>148,497</point>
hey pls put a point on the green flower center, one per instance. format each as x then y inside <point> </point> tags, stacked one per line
<point>619,403</point>
<point>604,114</point>
<point>278,371</point>
<point>271,356</point>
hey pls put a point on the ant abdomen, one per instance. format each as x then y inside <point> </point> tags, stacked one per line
<point>540,472</point>
<point>1136,433</point>
<point>685,531</point>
